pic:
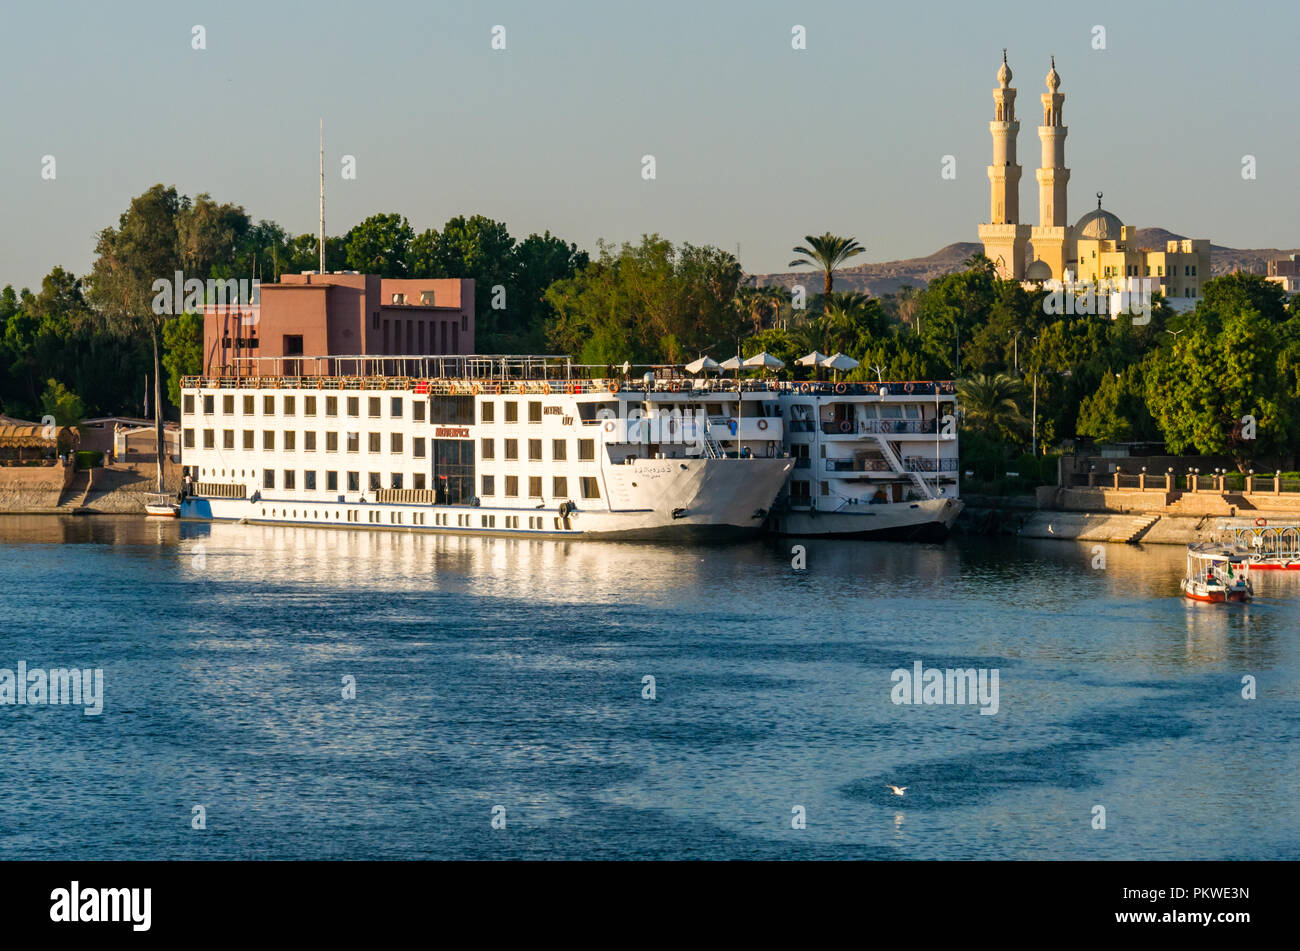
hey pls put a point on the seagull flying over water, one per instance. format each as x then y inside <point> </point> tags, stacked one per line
<point>898,790</point>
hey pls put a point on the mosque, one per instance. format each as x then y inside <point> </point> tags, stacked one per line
<point>1098,249</point>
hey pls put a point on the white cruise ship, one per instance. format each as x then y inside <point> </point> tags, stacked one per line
<point>481,445</point>
<point>872,460</point>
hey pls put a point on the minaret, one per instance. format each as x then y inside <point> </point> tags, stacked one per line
<point>1004,237</point>
<point>1052,237</point>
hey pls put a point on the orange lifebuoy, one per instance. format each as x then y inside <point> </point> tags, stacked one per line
<point>846,427</point>
<point>909,388</point>
<point>496,387</point>
<point>886,426</point>
<point>546,388</point>
<point>571,387</point>
<point>613,386</point>
<point>762,424</point>
<point>840,387</point>
<point>805,387</point>
<point>521,387</point>
<point>609,426</point>
<point>474,388</point>
<point>675,386</point>
<point>1261,521</point>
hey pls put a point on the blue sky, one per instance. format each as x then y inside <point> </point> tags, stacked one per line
<point>755,143</point>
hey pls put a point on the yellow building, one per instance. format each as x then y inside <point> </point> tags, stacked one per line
<point>1098,249</point>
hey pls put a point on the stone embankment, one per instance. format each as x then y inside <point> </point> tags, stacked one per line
<point>119,490</point>
<point>1156,517</point>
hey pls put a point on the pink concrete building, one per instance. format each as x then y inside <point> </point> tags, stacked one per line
<point>339,314</point>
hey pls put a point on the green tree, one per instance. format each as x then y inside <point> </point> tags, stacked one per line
<point>990,405</point>
<point>1116,411</point>
<point>129,259</point>
<point>64,405</point>
<point>826,253</point>
<point>381,244</point>
<point>182,351</point>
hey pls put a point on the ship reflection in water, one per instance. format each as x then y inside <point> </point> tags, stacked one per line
<point>502,671</point>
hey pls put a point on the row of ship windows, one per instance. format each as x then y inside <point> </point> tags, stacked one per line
<point>373,516</point>
<point>288,442</point>
<point>352,407</point>
<point>588,486</point>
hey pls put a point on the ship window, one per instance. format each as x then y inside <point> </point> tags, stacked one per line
<point>354,406</point>
<point>534,411</point>
<point>590,488</point>
<point>209,405</point>
<point>250,405</point>
<point>417,410</point>
<point>290,404</point>
<point>395,407</point>
<point>354,442</point>
<point>534,451</point>
<point>512,449</point>
<point>228,404</point>
<point>189,439</point>
<point>489,485</point>
<point>418,480</point>
<point>373,442</point>
<point>395,480</point>
<point>188,403</point>
<point>268,478</point>
<point>331,442</point>
<point>289,440</point>
<point>332,482</point>
<point>309,480</point>
<point>487,448</point>
<point>309,406</point>
<point>486,411</point>
<point>534,487</point>
<point>417,447</point>
<point>289,478</point>
<point>591,412</point>
<point>375,403</point>
<point>451,410</point>
<point>374,482</point>
<point>512,486</point>
<point>227,439</point>
<point>209,439</point>
<point>268,405</point>
<point>395,442</point>
<point>309,441</point>
<point>331,406</point>
<point>559,487</point>
<point>559,449</point>
<point>586,450</point>
<point>512,411</point>
<point>799,492</point>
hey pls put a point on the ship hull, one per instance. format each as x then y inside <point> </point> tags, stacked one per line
<point>669,499</point>
<point>930,520</point>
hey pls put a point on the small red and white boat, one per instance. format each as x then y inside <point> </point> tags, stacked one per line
<point>1216,575</point>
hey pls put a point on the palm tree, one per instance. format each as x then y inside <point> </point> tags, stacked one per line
<point>827,252</point>
<point>990,404</point>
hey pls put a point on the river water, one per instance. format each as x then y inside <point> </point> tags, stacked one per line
<point>506,679</point>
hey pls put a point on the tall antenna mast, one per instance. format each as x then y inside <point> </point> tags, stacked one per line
<point>322,196</point>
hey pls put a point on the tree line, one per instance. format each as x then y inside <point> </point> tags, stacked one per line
<point>1223,378</point>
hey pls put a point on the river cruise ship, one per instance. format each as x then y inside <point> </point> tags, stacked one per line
<point>502,445</point>
<point>872,460</point>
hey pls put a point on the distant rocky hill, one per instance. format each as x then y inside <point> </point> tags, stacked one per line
<point>888,276</point>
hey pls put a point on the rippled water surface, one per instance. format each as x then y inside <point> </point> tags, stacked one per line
<point>494,672</point>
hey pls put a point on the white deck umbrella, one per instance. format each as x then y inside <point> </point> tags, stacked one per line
<point>731,363</point>
<point>814,359</point>
<point>764,360</point>
<point>702,365</point>
<point>840,362</point>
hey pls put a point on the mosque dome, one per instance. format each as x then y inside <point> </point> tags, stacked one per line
<point>1038,270</point>
<point>1004,71</point>
<point>1099,225</point>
